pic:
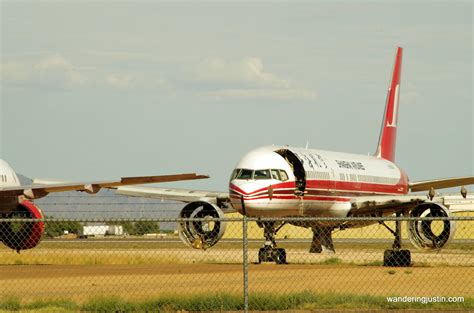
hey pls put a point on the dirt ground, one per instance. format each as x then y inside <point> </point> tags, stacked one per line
<point>81,282</point>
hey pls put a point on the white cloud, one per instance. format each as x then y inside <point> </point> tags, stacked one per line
<point>246,79</point>
<point>272,94</point>
<point>119,80</point>
<point>14,72</point>
<point>54,62</point>
<point>53,70</point>
<point>133,81</point>
<point>247,72</point>
<point>57,70</point>
<point>215,79</point>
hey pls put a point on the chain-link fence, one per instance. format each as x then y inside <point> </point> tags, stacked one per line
<point>258,264</point>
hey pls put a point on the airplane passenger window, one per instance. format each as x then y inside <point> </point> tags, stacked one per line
<point>245,174</point>
<point>262,174</point>
<point>284,175</point>
<point>275,174</point>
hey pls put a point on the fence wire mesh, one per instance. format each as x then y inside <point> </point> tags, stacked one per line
<point>145,261</point>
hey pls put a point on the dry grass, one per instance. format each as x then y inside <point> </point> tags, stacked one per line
<point>155,255</point>
<point>301,301</point>
<point>464,230</point>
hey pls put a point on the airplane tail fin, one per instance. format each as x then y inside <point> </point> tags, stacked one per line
<point>388,132</point>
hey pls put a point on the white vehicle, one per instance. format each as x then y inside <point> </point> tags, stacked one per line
<point>281,181</point>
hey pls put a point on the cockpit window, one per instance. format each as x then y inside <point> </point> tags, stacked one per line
<point>262,174</point>
<point>275,174</point>
<point>245,174</point>
<point>235,173</point>
<point>242,173</point>
<point>284,176</point>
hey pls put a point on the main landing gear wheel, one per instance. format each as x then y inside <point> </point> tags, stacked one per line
<point>396,256</point>
<point>277,255</point>
<point>269,252</point>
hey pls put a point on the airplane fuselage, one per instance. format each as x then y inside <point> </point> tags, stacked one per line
<point>8,178</point>
<point>288,181</point>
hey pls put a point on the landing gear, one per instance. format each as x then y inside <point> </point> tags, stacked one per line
<point>277,255</point>
<point>269,252</point>
<point>396,256</point>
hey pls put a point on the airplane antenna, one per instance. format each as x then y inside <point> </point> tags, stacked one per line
<point>307,144</point>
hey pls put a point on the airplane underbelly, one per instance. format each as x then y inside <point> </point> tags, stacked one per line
<point>330,207</point>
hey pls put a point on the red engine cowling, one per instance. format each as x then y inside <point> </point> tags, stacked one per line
<point>22,235</point>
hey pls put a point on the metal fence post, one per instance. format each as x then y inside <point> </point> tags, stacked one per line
<point>245,263</point>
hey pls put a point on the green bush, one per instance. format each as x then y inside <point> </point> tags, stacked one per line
<point>56,228</point>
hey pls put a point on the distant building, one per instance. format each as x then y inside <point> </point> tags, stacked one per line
<point>115,230</point>
<point>100,230</point>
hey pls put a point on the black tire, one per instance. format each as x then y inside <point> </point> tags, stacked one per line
<point>280,256</point>
<point>397,258</point>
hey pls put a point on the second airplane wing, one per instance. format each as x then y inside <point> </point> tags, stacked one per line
<point>42,187</point>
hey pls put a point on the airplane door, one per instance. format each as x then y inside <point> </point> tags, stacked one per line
<point>296,165</point>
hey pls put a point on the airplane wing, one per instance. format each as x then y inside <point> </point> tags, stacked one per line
<point>441,183</point>
<point>222,199</point>
<point>42,187</point>
<point>366,206</point>
<point>390,204</point>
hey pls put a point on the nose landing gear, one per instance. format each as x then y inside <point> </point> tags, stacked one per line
<point>269,252</point>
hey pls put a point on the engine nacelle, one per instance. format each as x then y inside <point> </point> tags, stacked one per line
<point>201,234</point>
<point>22,235</point>
<point>430,234</point>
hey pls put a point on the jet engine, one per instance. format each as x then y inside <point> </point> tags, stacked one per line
<point>430,234</point>
<point>22,235</point>
<point>206,232</point>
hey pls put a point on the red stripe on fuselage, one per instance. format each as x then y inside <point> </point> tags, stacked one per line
<point>341,187</point>
<point>289,184</point>
<point>305,198</point>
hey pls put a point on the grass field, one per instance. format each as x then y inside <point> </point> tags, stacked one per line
<point>130,251</point>
<point>221,301</point>
<point>133,273</point>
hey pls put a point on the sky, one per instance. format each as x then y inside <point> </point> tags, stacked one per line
<point>102,89</point>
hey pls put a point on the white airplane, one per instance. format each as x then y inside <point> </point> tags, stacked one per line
<point>15,201</point>
<point>282,181</point>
